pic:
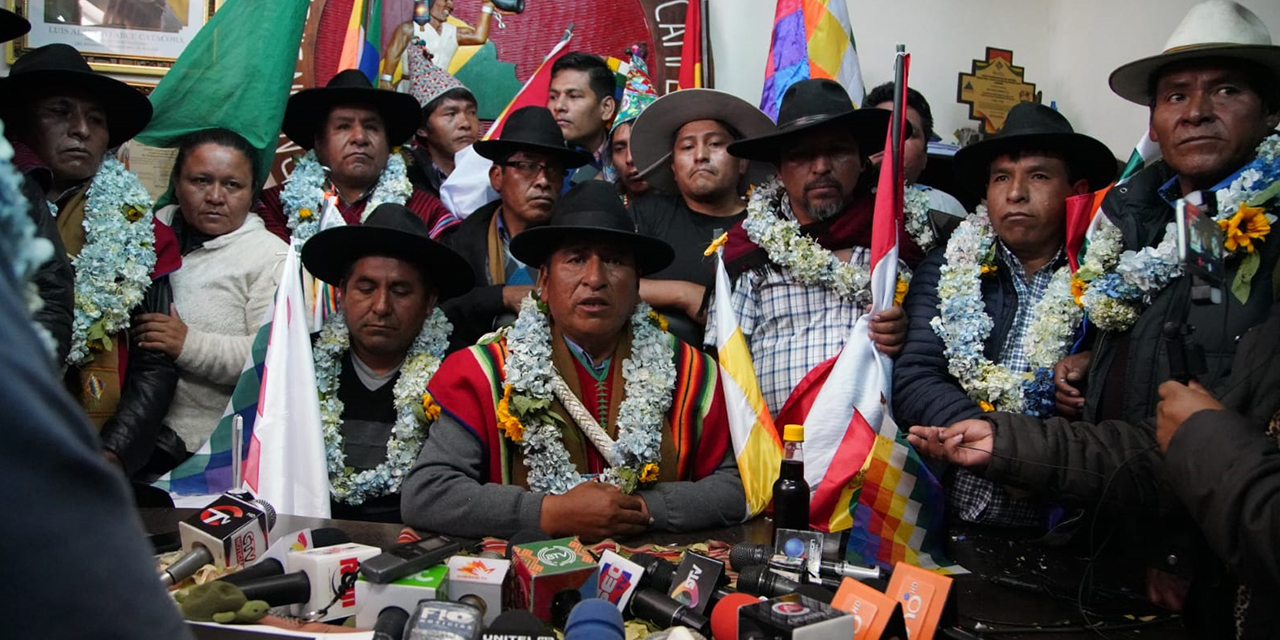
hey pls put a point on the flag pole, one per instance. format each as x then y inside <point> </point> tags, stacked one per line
<point>896,122</point>
<point>704,69</point>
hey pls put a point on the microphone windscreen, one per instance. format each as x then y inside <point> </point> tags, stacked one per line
<point>524,536</point>
<point>748,555</point>
<point>750,579</point>
<point>328,536</point>
<point>817,592</point>
<point>594,619</point>
<point>269,510</point>
<point>724,618</point>
<point>658,572</point>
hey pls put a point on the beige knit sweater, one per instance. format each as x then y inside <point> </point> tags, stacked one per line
<point>222,293</point>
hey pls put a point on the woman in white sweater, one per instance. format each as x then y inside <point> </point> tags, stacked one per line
<point>230,267</point>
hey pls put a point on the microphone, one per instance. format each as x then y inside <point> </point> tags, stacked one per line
<point>594,619</point>
<point>656,607</point>
<point>926,599</point>
<point>696,581</point>
<point>747,555</point>
<point>545,569</point>
<point>616,579</point>
<point>443,620</point>
<point>796,617</point>
<point>524,536</point>
<point>390,624</point>
<point>272,562</point>
<point>230,531</point>
<point>404,594</point>
<point>658,572</point>
<point>724,618</point>
<point>317,577</point>
<point>517,624</point>
<point>480,578</point>
<point>875,615</point>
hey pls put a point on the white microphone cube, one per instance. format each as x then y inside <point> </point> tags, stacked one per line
<point>325,568</point>
<point>480,577</point>
<point>404,593</point>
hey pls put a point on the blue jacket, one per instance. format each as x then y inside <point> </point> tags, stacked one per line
<point>924,392</point>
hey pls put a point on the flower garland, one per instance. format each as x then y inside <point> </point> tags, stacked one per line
<point>1117,285</point>
<point>805,259</point>
<point>915,210</point>
<point>415,408</point>
<point>25,250</point>
<point>964,326</point>
<point>114,267</point>
<point>304,192</point>
<point>525,415</point>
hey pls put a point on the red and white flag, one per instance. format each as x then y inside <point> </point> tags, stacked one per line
<point>286,464</point>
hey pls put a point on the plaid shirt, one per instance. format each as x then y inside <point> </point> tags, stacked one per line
<point>976,499</point>
<point>789,327</point>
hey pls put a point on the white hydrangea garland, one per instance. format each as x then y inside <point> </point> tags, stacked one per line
<point>415,409</point>
<point>1117,285</point>
<point>113,269</point>
<point>964,326</point>
<point>807,261</point>
<point>525,415</point>
<point>915,211</point>
<point>303,193</point>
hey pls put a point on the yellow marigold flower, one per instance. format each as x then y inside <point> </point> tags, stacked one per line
<point>988,268</point>
<point>509,424</point>
<point>657,317</point>
<point>1077,290</point>
<point>986,406</point>
<point>900,292</point>
<point>131,213</point>
<point>649,473</point>
<point>1247,225</point>
<point>429,407</point>
<point>304,213</point>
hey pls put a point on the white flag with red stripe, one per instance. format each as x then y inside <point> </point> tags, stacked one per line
<point>286,461</point>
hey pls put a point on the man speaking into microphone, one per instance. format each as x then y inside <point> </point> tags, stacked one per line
<point>586,417</point>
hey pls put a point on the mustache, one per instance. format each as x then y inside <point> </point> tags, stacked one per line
<point>821,183</point>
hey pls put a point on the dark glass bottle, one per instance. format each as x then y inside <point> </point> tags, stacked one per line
<point>790,491</point>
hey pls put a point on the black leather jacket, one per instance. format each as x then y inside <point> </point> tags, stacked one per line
<point>135,431</point>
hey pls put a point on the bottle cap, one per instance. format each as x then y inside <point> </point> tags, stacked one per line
<point>793,433</point>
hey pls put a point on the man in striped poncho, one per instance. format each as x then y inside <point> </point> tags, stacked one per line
<point>585,417</point>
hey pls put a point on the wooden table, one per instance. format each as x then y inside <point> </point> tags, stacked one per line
<point>1013,583</point>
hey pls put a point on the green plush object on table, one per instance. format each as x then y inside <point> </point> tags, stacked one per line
<point>221,602</point>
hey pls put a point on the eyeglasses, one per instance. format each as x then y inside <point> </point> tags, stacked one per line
<point>530,170</point>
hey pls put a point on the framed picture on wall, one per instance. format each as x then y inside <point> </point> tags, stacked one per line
<point>115,36</point>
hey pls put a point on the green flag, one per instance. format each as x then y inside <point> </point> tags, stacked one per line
<point>235,74</point>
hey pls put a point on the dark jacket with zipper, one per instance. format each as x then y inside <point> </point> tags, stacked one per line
<point>54,280</point>
<point>1221,475</point>
<point>924,392</point>
<point>476,312</point>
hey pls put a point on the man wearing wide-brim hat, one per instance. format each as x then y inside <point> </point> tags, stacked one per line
<point>1214,100</point>
<point>1004,267</point>
<point>374,360</point>
<point>585,417</point>
<point>63,118</point>
<point>681,144</point>
<point>799,259</point>
<point>350,130</point>
<point>530,161</point>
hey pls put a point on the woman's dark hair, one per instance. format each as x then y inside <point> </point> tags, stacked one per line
<point>223,138</point>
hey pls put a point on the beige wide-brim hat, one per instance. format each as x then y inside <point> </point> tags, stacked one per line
<point>654,131</point>
<point>1211,29</point>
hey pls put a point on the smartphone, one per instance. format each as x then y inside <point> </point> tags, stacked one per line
<point>1201,243</point>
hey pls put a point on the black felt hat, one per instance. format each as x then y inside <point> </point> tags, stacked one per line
<point>591,207</point>
<point>308,109</point>
<point>814,103</point>
<point>531,129</point>
<point>391,230</point>
<point>12,25</point>
<point>1030,125</point>
<point>58,68</point>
